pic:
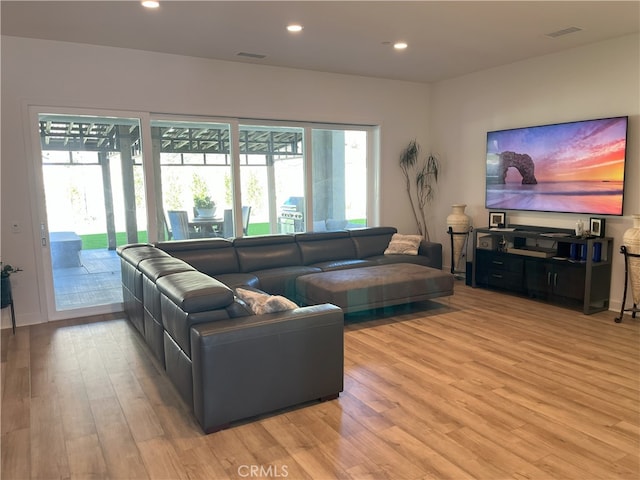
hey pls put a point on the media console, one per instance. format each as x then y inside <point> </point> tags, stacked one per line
<point>550,264</point>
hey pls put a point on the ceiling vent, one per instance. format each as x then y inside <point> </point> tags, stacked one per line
<point>250,55</point>
<point>564,31</point>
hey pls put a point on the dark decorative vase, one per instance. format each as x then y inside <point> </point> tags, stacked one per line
<point>5,289</point>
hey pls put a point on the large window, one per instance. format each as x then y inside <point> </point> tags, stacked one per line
<point>272,178</point>
<point>278,168</point>
<point>195,193</point>
<point>219,179</point>
<point>339,179</point>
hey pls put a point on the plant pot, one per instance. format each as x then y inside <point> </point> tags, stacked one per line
<point>206,212</point>
<point>5,289</point>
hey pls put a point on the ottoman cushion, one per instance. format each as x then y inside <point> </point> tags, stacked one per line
<point>373,287</point>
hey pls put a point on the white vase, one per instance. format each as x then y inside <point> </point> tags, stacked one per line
<point>206,212</point>
<point>459,223</point>
<point>631,240</point>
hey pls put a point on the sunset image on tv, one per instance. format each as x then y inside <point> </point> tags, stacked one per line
<point>569,167</point>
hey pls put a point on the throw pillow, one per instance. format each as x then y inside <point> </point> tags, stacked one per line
<point>403,244</point>
<point>264,303</point>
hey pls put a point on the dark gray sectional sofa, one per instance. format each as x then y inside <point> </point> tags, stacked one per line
<point>226,362</point>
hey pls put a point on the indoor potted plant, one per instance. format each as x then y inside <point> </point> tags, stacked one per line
<point>204,205</point>
<point>5,287</point>
<point>420,179</point>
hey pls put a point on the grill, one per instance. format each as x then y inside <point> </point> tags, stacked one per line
<point>291,215</point>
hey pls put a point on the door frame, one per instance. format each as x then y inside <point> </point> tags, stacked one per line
<point>44,270</point>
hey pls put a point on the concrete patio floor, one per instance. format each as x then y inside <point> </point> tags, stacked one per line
<point>96,282</point>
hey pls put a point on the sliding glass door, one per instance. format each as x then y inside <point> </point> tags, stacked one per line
<point>92,178</point>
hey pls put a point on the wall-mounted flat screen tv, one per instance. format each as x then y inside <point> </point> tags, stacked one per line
<point>574,167</point>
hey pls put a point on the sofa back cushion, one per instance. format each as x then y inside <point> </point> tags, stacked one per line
<point>194,292</point>
<point>214,256</point>
<point>371,241</point>
<point>267,251</point>
<point>135,253</point>
<point>156,267</point>
<point>316,247</point>
<point>188,298</point>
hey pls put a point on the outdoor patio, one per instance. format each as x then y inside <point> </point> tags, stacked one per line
<point>96,282</point>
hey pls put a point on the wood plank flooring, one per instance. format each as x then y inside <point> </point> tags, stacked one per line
<point>479,385</point>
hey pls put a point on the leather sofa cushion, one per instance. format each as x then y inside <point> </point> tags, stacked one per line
<point>371,241</point>
<point>194,291</point>
<point>282,281</point>
<point>233,280</point>
<point>178,367</point>
<point>135,253</point>
<point>177,323</point>
<point>214,256</point>
<point>156,267</point>
<point>266,252</point>
<point>318,247</point>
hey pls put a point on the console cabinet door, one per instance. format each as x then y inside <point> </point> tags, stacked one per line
<point>548,279</point>
<point>538,278</point>
<point>569,280</point>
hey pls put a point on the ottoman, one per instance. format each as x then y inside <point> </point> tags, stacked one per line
<point>65,249</point>
<point>373,287</point>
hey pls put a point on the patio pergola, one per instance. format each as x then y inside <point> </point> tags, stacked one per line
<point>107,136</point>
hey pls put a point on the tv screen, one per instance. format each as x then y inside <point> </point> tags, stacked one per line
<point>574,167</point>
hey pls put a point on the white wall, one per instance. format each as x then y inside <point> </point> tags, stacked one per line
<point>36,72</point>
<point>595,81</point>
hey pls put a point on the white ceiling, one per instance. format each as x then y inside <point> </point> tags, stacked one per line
<point>446,38</point>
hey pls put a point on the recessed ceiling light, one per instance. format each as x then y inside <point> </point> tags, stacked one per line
<point>294,28</point>
<point>400,45</point>
<point>150,4</point>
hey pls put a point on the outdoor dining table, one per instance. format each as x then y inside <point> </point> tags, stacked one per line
<point>208,226</point>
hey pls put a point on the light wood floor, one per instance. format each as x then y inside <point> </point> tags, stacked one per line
<point>479,385</point>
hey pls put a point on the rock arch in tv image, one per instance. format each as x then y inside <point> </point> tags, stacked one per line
<point>521,162</point>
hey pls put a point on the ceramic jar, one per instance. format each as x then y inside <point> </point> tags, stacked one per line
<point>631,240</point>
<point>459,223</point>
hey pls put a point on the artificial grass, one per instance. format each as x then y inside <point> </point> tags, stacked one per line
<point>96,241</point>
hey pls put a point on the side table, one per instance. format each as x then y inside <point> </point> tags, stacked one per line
<point>634,309</point>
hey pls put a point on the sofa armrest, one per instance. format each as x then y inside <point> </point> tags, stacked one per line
<point>433,251</point>
<point>261,363</point>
